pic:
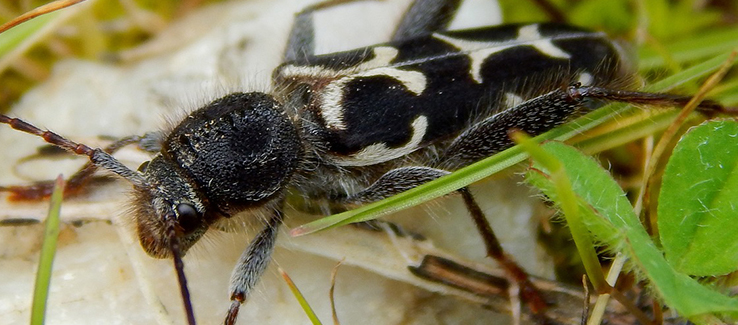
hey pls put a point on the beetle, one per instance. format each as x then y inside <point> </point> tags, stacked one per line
<point>442,98</point>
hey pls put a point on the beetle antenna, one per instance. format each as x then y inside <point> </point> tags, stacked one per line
<point>104,160</point>
<point>97,156</point>
<point>179,266</point>
<point>707,106</point>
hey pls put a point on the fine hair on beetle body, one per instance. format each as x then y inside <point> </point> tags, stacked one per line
<point>339,130</point>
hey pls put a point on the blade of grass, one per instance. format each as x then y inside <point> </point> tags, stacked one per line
<point>598,311</point>
<point>331,292</point>
<point>38,11</point>
<point>16,41</point>
<point>48,250</point>
<point>300,298</point>
<point>690,49</point>
<point>569,206</point>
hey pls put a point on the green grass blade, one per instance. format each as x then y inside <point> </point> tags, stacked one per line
<point>697,71</point>
<point>300,298</point>
<point>48,250</point>
<point>24,32</point>
<point>691,49</point>
<point>17,40</point>
<point>570,207</point>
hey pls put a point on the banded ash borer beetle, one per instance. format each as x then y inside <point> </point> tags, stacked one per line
<point>439,97</point>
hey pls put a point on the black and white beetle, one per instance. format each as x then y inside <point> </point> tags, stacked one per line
<point>358,126</point>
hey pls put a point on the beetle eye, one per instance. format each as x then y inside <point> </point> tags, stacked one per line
<point>188,217</point>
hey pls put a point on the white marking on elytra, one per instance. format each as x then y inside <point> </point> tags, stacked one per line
<point>479,51</point>
<point>331,108</point>
<point>383,55</point>
<point>531,34</point>
<point>379,152</point>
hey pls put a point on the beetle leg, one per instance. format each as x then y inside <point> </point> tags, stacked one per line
<point>252,264</point>
<point>301,41</point>
<point>543,113</point>
<point>490,136</point>
<point>424,17</point>
<point>421,18</point>
<point>401,179</point>
<point>395,182</point>
<point>529,293</point>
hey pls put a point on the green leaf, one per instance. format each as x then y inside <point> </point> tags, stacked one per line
<point>606,211</point>
<point>608,215</point>
<point>698,204</point>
